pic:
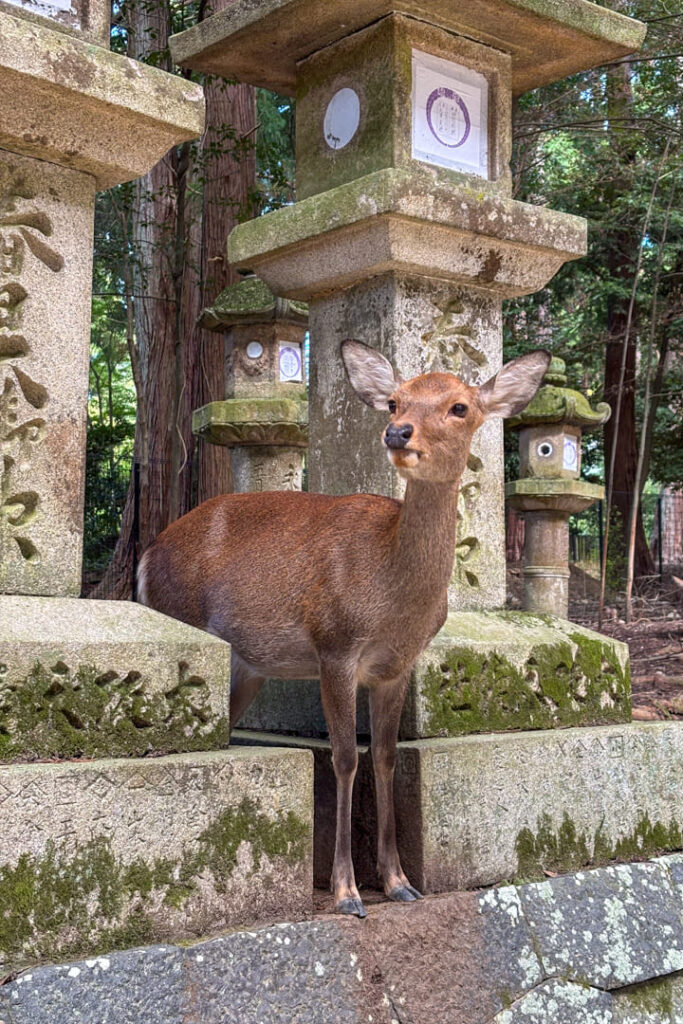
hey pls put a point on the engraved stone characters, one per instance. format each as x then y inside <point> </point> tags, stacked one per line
<point>22,235</point>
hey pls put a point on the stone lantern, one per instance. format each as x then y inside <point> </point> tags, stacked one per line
<point>549,489</point>
<point>264,417</point>
<point>405,235</point>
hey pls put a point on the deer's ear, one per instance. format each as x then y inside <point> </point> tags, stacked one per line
<point>514,385</point>
<point>372,376</point>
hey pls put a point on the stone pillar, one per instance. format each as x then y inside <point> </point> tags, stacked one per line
<point>405,235</point>
<point>264,417</point>
<point>102,679</point>
<point>109,122</point>
<point>420,325</point>
<point>46,225</point>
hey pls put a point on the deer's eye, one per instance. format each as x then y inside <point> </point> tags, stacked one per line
<point>391,405</point>
<point>458,410</point>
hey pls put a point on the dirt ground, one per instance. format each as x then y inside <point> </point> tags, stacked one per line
<point>655,637</point>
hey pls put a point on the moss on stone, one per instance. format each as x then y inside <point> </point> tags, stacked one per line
<point>566,849</point>
<point>90,712</point>
<point>654,998</point>
<point>573,681</point>
<point>552,404</point>
<point>68,905</point>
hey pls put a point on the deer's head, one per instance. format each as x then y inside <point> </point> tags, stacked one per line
<point>434,416</point>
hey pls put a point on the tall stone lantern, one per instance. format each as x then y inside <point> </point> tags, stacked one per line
<point>404,234</point>
<point>549,490</point>
<point>264,417</point>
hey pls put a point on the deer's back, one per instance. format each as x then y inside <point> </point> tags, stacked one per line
<point>270,562</point>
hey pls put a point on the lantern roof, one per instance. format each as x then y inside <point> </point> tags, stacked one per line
<point>251,301</point>
<point>261,41</point>
<point>554,403</point>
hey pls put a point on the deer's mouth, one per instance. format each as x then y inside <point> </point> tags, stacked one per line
<point>404,458</point>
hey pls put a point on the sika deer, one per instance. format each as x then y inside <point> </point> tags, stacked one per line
<point>347,589</point>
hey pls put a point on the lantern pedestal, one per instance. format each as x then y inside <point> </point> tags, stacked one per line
<point>547,505</point>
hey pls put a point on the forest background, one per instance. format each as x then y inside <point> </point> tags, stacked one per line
<point>605,144</point>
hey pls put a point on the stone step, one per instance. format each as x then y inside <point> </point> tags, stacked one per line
<point>479,810</point>
<point>111,854</point>
<point>598,947</point>
<point>483,672</point>
<point>107,679</point>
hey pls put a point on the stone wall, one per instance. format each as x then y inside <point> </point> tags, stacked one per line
<point>597,947</point>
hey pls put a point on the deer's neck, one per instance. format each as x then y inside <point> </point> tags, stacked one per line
<point>426,536</point>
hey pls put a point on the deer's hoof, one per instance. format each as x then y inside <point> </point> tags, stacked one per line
<point>405,894</point>
<point>351,906</point>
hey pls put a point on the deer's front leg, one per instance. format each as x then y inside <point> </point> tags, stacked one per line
<point>338,691</point>
<point>386,701</point>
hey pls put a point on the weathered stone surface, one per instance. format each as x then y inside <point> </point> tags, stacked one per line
<point>504,806</point>
<point>412,222</point>
<point>253,377</point>
<point>253,421</point>
<point>88,18</point>
<point>537,494</point>
<point>83,107</point>
<point>562,1003</point>
<point>262,42</point>
<point>102,855</point>
<point>376,62</point>
<point>126,988</point>
<point>419,326</point>
<point>654,1002</point>
<point>478,810</point>
<point>401,963</point>
<point>267,468</point>
<point>510,670</point>
<point>46,224</point>
<point>674,865</point>
<point>463,958</point>
<point>297,973</point>
<point>607,928</point>
<point>482,673</point>
<point>107,678</point>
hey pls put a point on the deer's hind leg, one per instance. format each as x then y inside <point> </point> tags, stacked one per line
<point>245,683</point>
<point>386,702</point>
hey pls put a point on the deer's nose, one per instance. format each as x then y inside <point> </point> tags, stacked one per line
<point>398,434</point>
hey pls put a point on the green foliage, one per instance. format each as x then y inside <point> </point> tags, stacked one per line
<point>592,145</point>
<point>111,409</point>
<point>274,150</point>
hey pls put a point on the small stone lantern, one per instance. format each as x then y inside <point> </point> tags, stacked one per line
<point>549,489</point>
<point>264,417</point>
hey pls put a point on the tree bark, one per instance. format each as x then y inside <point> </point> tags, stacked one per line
<point>621,253</point>
<point>228,169</point>
<point>183,210</point>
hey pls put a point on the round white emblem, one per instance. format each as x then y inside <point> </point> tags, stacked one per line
<point>342,118</point>
<point>254,349</point>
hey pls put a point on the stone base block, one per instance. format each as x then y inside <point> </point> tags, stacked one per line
<point>485,671</point>
<point>112,854</point>
<point>107,678</point>
<point>478,810</point>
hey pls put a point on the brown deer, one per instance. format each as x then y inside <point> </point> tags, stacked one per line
<point>346,589</point>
